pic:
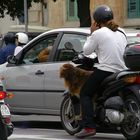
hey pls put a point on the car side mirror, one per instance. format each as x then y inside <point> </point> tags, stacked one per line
<point>11,59</point>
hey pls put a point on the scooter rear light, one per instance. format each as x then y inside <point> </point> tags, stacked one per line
<point>10,95</point>
<point>138,80</point>
<point>7,120</point>
<point>132,79</point>
<point>2,95</point>
<point>129,79</point>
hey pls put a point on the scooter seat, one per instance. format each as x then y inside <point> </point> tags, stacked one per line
<point>127,72</point>
<point>118,75</point>
<point>110,78</point>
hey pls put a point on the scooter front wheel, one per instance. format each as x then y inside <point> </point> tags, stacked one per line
<point>68,116</point>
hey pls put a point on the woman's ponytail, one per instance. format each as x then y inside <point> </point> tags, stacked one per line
<point>112,25</point>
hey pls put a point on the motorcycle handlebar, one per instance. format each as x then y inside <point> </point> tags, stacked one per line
<point>81,59</point>
<point>86,62</point>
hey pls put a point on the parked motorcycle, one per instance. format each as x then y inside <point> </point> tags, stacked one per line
<point>6,126</point>
<point>117,103</point>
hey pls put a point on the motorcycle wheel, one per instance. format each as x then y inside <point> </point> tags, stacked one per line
<point>67,117</point>
<point>3,131</point>
<point>131,126</point>
<point>10,129</point>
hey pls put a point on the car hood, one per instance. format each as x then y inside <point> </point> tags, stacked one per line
<point>3,68</point>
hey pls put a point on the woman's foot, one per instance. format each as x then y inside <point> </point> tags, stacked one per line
<point>86,132</point>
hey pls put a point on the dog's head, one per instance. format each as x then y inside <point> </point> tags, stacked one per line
<point>67,71</point>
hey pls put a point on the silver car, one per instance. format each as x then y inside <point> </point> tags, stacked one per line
<point>33,74</point>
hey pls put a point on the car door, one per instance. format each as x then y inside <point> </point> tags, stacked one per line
<point>26,79</point>
<point>53,84</point>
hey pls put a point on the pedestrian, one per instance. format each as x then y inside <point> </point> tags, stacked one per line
<point>21,39</point>
<point>108,41</point>
<point>9,47</point>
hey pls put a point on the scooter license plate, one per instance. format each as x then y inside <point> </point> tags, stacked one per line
<point>4,110</point>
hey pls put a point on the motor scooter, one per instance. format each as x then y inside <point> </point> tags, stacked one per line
<point>6,126</point>
<point>116,104</point>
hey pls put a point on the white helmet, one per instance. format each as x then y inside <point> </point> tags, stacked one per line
<point>22,38</point>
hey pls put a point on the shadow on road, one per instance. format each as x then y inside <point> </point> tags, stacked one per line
<point>53,125</point>
<point>36,124</point>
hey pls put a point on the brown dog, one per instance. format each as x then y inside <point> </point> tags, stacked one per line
<point>74,78</point>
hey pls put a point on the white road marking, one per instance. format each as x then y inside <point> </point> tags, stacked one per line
<point>109,135</point>
<point>35,137</point>
<point>44,137</point>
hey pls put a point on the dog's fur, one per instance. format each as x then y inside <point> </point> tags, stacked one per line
<point>74,77</point>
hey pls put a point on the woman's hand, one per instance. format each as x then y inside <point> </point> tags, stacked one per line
<point>94,27</point>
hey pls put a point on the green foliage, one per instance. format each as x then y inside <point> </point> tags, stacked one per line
<point>14,8</point>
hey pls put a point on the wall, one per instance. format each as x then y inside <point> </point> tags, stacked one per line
<point>54,15</point>
<point>5,24</point>
<point>120,9</point>
<point>116,6</point>
<point>35,14</point>
<point>57,16</point>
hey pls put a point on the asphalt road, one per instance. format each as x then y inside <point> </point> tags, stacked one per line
<point>35,127</point>
<point>53,134</point>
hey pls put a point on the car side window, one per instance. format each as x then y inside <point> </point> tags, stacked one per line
<point>40,51</point>
<point>69,45</point>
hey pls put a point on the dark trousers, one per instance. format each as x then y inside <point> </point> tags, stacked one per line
<point>86,96</point>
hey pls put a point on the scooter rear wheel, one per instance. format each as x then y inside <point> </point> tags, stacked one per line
<point>131,126</point>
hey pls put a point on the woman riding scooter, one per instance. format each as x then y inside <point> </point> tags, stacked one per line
<point>108,41</point>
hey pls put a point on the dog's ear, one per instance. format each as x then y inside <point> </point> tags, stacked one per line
<point>66,71</point>
<point>68,66</point>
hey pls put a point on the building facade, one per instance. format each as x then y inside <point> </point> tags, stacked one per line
<point>126,12</point>
<point>63,13</point>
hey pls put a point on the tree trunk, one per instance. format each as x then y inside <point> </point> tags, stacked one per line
<point>84,13</point>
